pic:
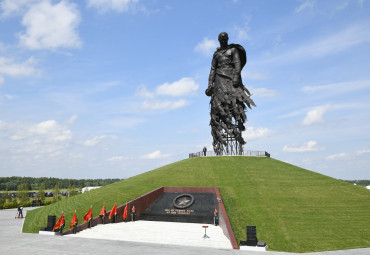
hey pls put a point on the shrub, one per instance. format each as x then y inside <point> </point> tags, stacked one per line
<point>25,204</point>
<point>11,204</point>
<point>47,202</point>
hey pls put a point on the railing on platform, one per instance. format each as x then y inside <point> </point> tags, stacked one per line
<point>244,153</point>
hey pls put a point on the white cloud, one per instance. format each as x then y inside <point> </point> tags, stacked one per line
<point>114,5</point>
<point>263,92</point>
<point>142,91</point>
<point>337,156</point>
<point>1,80</point>
<point>335,43</point>
<point>343,155</point>
<point>183,87</point>
<point>98,139</point>
<point>50,130</point>
<point>338,88</point>
<point>126,122</point>
<point>328,45</point>
<point>39,147</point>
<point>254,75</point>
<point>72,119</point>
<point>241,32</point>
<point>308,4</point>
<point>306,147</point>
<point>4,126</point>
<point>9,67</point>
<point>315,116</point>
<point>292,114</point>
<point>362,152</point>
<point>9,97</point>
<point>164,105</point>
<point>51,26</point>
<point>307,161</point>
<point>252,133</point>
<point>155,155</point>
<point>116,158</point>
<point>47,137</point>
<point>342,6</point>
<point>10,7</point>
<point>206,47</point>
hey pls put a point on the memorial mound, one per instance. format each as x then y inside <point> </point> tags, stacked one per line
<point>294,209</point>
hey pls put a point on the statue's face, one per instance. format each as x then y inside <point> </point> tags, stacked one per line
<point>223,38</point>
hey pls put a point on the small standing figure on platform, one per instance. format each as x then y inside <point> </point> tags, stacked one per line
<point>88,216</point>
<point>205,151</point>
<point>102,214</point>
<point>215,217</point>
<point>133,213</point>
<point>113,213</point>
<point>60,224</point>
<point>125,214</point>
<point>74,223</point>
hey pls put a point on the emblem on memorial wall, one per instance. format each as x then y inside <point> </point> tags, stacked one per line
<point>183,201</point>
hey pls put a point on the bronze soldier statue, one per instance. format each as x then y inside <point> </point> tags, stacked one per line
<point>229,97</point>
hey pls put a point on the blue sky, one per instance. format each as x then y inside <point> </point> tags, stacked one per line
<point>114,88</point>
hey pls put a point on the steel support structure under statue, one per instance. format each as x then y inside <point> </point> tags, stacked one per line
<point>232,146</point>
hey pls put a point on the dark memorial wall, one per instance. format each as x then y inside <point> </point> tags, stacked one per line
<point>182,207</point>
<point>185,208</point>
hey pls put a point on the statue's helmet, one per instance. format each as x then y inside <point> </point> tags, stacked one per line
<point>223,35</point>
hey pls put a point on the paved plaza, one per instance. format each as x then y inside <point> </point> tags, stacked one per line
<point>13,242</point>
<point>159,232</point>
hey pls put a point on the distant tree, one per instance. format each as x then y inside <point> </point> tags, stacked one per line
<point>74,191</point>
<point>41,194</point>
<point>56,192</point>
<point>34,186</point>
<point>34,183</point>
<point>2,201</point>
<point>359,182</point>
<point>23,190</point>
<point>71,190</point>
<point>7,196</point>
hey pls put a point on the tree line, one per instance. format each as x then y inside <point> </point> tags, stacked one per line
<point>34,183</point>
<point>359,182</point>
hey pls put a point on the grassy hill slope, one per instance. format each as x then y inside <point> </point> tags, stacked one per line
<point>294,209</point>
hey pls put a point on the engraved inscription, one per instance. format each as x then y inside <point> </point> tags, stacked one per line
<point>179,211</point>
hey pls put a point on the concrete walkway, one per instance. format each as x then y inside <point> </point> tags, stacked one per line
<point>13,242</point>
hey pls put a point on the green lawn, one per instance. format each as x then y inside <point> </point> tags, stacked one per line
<point>294,209</point>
